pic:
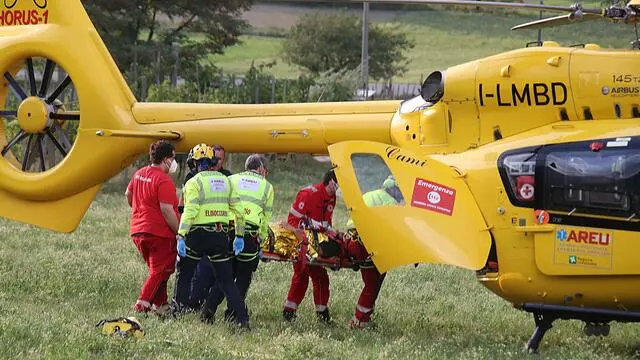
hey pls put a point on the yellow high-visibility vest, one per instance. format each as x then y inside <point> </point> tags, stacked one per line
<point>251,202</point>
<point>206,200</point>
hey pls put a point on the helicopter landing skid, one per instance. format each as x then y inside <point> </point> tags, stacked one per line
<point>543,324</point>
<point>598,319</point>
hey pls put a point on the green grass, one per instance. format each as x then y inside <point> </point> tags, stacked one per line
<point>257,49</point>
<point>443,39</point>
<point>55,287</point>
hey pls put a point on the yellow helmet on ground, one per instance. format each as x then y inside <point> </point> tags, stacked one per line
<point>125,327</point>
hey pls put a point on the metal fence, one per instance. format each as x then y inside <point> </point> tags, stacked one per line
<point>276,90</point>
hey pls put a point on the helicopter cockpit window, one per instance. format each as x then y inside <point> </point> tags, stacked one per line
<point>605,182</point>
<point>377,184</point>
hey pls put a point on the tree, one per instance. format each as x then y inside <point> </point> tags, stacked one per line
<point>332,43</point>
<point>149,31</point>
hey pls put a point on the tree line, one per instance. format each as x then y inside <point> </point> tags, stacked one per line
<point>150,39</point>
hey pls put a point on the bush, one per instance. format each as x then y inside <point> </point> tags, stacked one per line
<point>339,86</point>
<point>332,43</point>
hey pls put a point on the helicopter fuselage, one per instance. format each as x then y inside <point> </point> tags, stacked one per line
<point>582,259</point>
<point>555,102</point>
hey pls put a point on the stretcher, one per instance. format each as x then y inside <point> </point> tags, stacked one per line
<point>286,243</point>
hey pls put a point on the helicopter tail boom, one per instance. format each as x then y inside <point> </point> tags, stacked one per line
<point>308,127</point>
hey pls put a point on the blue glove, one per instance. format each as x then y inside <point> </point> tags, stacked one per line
<point>261,256</point>
<point>238,245</point>
<point>182,247</point>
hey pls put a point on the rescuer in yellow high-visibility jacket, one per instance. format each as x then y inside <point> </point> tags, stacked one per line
<point>252,203</point>
<point>389,195</point>
<point>203,232</point>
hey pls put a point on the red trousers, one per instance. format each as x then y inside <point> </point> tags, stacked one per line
<point>372,281</point>
<point>160,255</point>
<point>300,282</point>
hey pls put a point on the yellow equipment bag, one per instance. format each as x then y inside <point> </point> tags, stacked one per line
<point>125,327</point>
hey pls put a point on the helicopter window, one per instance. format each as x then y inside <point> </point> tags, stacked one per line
<point>374,175</point>
<point>518,173</point>
<point>605,182</point>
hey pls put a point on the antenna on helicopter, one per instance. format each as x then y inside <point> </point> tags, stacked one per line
<point>540,30</point>
<point>635,44</point>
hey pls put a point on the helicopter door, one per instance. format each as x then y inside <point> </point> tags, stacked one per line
<point>409,208</point>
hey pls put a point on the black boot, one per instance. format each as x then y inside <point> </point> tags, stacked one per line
<point>244,326</point>
<point>323,316</point>
<point>288,315</point>
<point>207,316</point>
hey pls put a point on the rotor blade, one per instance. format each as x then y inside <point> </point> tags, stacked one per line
<point>32,77</point>
<point>4,113</point>
<point>46,77</point>
<point>15,87</point>
<point>555,21</point>
<point>27,154</point>
<point>41,150</point>
<point>67,115</point>
<point>59,89</point>
<point>21,135</point>
<point>495,4</point>
<point>56,129</point>
<point>56,143</point>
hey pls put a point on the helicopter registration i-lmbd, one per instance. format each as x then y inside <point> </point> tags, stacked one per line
<point>523,166</point>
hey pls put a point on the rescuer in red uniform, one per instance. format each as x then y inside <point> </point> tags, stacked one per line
<point>313,208</point>
<point>154,223</point>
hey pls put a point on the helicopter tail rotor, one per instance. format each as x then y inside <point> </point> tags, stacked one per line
<point>52,103</point>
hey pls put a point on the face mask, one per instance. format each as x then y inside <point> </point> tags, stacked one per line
<point>339,193</point>
<point>335,188</point>
<point>174,166</point>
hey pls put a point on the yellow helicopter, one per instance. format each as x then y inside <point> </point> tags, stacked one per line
<point>520,166</point>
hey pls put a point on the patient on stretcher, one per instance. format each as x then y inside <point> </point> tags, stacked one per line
<point>286,243</point>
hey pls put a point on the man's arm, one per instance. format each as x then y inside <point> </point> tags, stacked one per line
<point>170,216</point>
<point>330,208</point>
<point>166,200</point>
<point>129,192</point>
<point>235,205</point>
<point>129,195</point>
<point>300,208</point>
<point>191,206</point>
<point>268,213</point>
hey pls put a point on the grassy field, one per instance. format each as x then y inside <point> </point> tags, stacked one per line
<point>55,287</point>
<point>443,38</point>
